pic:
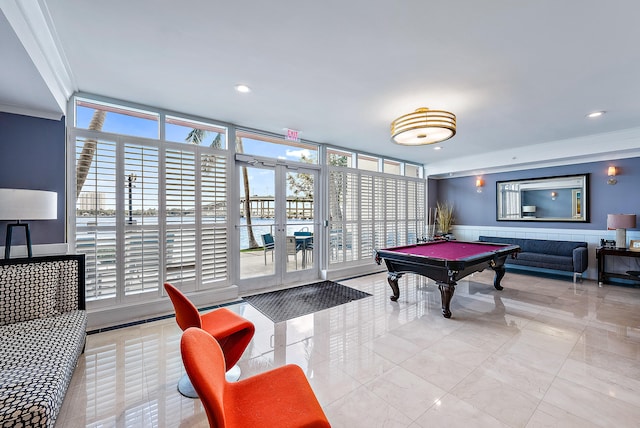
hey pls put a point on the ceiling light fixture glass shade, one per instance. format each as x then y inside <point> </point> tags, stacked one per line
<point>423,126</point>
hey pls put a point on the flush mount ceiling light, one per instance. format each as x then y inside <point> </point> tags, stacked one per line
<point>596,114</point>
<point>243,88</point>
<point>423,126</point>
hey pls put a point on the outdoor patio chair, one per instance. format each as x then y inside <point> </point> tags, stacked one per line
<point>269,245</point>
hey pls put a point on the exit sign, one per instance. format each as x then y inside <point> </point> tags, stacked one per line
<point>292,135</point>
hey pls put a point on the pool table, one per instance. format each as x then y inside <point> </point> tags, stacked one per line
<point>445,262</point>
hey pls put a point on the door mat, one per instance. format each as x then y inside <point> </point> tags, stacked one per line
<point>295,302</point>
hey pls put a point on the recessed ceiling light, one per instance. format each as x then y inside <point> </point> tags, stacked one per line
<point>596,114</point>
<point>243,88</point>
<point>437,148</point>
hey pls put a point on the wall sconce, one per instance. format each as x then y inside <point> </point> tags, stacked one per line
<point>611,172</point>
<point>554,195</point>
<point>479,185</point>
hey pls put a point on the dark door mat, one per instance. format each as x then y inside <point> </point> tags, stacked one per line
<point>295,302</point>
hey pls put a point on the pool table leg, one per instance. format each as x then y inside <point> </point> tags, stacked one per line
<point>500,271</point>
<point>446,294</point>
<point>392,279</point>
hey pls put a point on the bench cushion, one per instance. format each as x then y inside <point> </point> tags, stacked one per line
<point>38,359</point>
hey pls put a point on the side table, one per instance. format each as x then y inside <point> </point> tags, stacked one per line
<point>601,255</point>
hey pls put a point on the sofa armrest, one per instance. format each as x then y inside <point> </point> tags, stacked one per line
<point>580,259</point>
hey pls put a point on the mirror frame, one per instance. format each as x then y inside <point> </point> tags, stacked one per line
<point>578,197</point>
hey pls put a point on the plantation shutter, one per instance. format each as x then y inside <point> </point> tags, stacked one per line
<point>180,202</point>
<point>132,241</point>
<point>95,230</point>
<point>214,218</point>
<point>141,232</point>
<point>379,211</point>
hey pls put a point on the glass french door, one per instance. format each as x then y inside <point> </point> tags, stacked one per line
<point>276,224</point>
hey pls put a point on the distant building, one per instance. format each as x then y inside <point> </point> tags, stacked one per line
<point>91,201</point>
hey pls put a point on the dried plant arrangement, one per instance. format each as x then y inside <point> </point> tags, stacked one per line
<point>445,216</point>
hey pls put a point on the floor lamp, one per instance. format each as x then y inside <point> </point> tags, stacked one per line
<point>23,204</point>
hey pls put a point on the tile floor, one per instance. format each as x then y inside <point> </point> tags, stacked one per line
<point>540,353</point>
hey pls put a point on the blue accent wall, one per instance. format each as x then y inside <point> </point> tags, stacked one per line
<point>479,209</point>
<point>33,157</point>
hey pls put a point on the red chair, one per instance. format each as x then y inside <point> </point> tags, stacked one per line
<point>230,329</point>
<point>279,398</point>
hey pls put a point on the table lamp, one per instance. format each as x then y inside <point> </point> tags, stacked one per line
<point>23,204</point>
<point>621,222</point>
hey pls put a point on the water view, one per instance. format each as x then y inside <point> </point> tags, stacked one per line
<point>260,226</point>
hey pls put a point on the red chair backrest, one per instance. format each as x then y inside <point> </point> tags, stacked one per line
<point>204,362</point>
<point>187,314</point>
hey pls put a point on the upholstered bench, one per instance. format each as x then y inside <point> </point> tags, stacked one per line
<point>568,256</point>
<point>42,334</point>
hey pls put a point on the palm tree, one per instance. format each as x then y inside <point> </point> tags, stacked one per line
<point>336,182</point>
<point>88,150</point>
<point>247,201</point>
<point>197,136</point>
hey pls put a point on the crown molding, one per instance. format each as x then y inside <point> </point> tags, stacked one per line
<point>33,26</point>
<point>53,115</point>
<point>591,148</point>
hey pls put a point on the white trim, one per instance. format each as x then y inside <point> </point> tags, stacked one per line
<point>18,251</point>
<point>591,148</point>
<point>53,115</point>
<point>32,24</point>
<point>352,271</point>
<point>122,313</point>
<point>590,236</point>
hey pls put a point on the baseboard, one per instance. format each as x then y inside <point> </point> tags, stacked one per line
<point>107,318</point>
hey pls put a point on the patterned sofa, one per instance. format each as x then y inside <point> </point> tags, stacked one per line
<point>565,256</point>
<point>42,334</point>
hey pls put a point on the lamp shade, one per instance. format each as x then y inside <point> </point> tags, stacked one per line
<point>621,221</point>
<point>529,209</point>
<point>23,204</point>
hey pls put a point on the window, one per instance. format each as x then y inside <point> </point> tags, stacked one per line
<point>150,211</point>
<point>368,163</point>
<point>116,119</point>
<point>274,147</point>
<point>414,171</point>
<point>392,167</point>
<point>340,158</point>
<point>194,132</point>
<point>151,206</point>
<point>372,210</point>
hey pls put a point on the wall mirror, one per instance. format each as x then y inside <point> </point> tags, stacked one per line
<point>544,199</point>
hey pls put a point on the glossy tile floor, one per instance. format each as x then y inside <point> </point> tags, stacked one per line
<point>540,353</point>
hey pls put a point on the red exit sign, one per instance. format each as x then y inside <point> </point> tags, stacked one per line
<point>292,135</point>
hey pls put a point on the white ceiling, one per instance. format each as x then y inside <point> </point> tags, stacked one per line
<point>519,75</point>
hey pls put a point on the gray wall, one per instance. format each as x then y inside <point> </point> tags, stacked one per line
<point>479,209</point>
<point>32,156</point>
